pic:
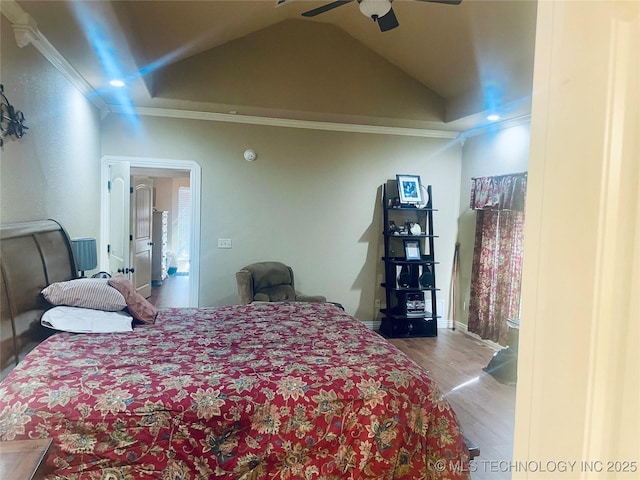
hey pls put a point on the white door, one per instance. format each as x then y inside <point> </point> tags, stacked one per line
<point>116,211</point>
<point>119,187</point>
<point>141,232</point>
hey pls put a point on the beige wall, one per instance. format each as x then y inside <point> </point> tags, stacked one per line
<point>325,74</point>
<point>494,152</point>
<point>163,193</point>
<point>54,170</point>
<point>311,200</point>
<point>578,379</point>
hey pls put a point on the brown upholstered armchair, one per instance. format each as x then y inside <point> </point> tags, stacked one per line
<point>270,282</point>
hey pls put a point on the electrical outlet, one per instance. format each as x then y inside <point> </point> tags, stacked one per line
<point>224,243</point>
<point>377,303</point>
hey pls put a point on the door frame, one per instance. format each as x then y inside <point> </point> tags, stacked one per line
<point>195,176</point>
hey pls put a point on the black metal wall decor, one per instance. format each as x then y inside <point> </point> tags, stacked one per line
<point>11,120</point>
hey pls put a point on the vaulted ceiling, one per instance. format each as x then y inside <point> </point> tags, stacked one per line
<point>445,66</point>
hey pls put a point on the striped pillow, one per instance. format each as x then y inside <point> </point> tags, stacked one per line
<point>93,293</point>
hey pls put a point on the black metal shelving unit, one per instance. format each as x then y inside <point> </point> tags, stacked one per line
<point>410,285</point>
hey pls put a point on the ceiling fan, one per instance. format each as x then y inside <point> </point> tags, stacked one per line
<point>378,10</point>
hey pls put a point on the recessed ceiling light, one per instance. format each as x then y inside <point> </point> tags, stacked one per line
<point>493,117</point>
<point>116,83</point>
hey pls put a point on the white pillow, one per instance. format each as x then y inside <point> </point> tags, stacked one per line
<point>86,293</point>
<point>86,320</point>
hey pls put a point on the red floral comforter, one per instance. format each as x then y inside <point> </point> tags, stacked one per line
<point>283,391</point>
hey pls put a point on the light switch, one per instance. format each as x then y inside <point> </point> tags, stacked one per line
<point>224,243</point>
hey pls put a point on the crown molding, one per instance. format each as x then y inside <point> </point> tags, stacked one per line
<point>26,32</point>
<point>491,127</point>
<point>15,14</point>
<point>281,122</point>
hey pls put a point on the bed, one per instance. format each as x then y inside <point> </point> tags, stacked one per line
<point>284,390</point>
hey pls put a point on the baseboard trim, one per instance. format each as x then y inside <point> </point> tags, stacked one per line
<point>372,324</point>
<point>464,328</point>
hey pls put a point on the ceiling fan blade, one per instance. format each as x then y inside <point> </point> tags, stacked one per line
<point>325,8</point>
<point>388,21</point>
<point>446,2</point>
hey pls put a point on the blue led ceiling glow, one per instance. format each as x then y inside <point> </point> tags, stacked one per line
<point>492,97</point>
<point>90,18</point>
<point>494,103</point>
<point>98,37</point>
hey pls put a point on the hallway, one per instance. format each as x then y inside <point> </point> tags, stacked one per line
<point>174,292</point>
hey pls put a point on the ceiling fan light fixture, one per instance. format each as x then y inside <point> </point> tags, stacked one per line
<point>374,8</point>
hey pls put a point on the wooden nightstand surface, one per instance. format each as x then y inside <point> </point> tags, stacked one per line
<point>23,459</point>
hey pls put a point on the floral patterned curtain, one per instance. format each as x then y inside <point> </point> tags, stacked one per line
<point>502,192</point>
<point>497,257</point>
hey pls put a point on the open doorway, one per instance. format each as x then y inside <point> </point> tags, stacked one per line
<point>171,239</point>
<point>176,213</point>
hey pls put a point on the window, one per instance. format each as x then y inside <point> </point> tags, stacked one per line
<point>184,228</point>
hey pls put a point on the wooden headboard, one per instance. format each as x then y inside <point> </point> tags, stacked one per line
<point>32,256</point>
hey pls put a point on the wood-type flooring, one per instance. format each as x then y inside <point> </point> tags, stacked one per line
<point>485,407</point>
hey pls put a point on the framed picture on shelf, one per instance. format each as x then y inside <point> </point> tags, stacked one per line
<point>409,189</point>
<point>412,249</point>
